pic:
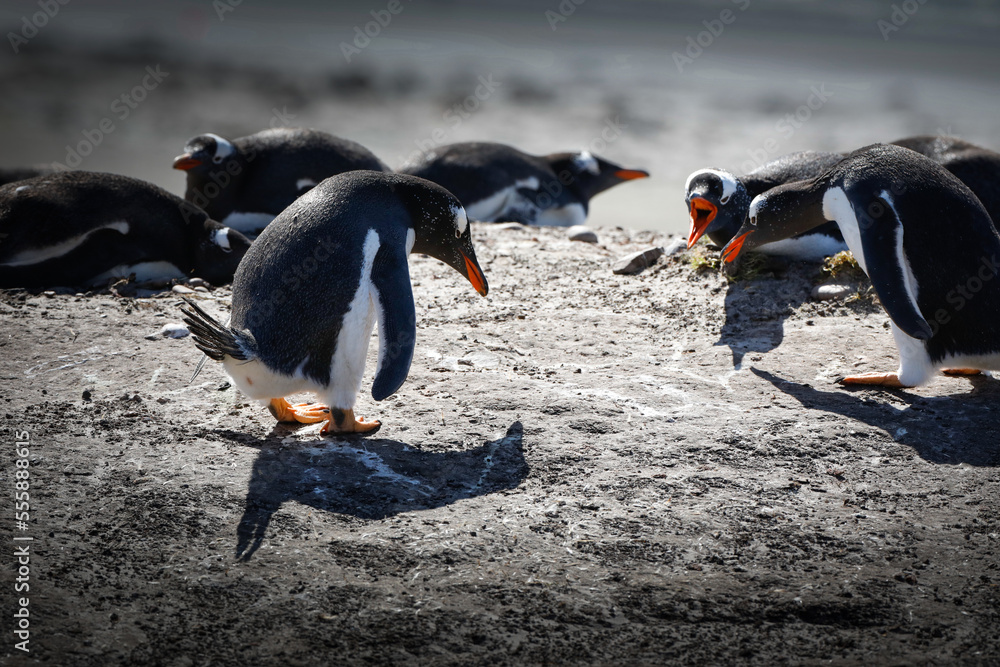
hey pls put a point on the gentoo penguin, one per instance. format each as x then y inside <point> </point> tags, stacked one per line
<point>245,182</point>
<point>75,228</point>
<point>496,182</point>
<point>977,167</point>
<point>309,290</point>
<point>924,239</point>
<point>13,174</point>
<point>718,202</point>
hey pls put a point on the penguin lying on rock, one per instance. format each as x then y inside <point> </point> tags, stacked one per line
<point>718,201</point>
<point>245,182</point>
<point>76,228</point>
<point>496,182</point>
<point>307,294</point>
<point>924,239</point>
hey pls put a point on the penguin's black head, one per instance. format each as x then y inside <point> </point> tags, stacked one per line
<point>218,251</point>
<point>718,203</point>
<point>590,175</point>
<point>441,227</point>
<point>206,153</point>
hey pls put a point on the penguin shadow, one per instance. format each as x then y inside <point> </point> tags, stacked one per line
<point>370,478</point>
<point>940,429</point>
<point>756,309</point>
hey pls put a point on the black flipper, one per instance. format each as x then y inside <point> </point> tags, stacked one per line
<point>880,240</point>
<point>397,320</point>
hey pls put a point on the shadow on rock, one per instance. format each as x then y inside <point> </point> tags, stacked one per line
<point>372,478</point>
<point>756,310</point>
<point>928,424</point>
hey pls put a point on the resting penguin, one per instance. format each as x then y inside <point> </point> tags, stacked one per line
<point>309,290</point>
<point>76,228</point>
<point>718,202</point>
<point>496,182</point>
<point>245,182</point>
<point>925,241</point>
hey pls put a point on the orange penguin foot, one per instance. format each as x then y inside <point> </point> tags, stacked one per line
<point>959,372</point>
<point>302,413</point>
<point>344,421</point>
<point>873,380</point>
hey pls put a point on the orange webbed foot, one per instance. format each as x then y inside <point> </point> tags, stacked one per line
<point>344,421</point>
<point>961,372</point>
<point>301,413</point>
<point>873,380</point>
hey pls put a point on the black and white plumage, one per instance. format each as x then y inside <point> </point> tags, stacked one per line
<point>309,291</point>
<point>926,242</point>
<point>718,202</point>
<point>496,182</point>
<point>76,228</point>
<point>246,182</point>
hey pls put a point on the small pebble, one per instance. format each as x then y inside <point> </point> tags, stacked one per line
<point>199,288</point>
<point>181,289</point>
<point>197,282</point>
<point>581,233</point>
<point>637,261</point>
<point>509,225</point>
<point>171,330</point>
<point>679,244</point>
<point>830,292</point>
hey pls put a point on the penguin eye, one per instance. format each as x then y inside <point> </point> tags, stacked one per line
<point>217,159</point>
<point>458,234</point>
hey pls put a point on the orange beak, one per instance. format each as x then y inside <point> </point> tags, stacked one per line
<point>476,276</point>
<point>702,214</point>
<point>732,250</point>
<point>631,174</point>
<point>185,162</point>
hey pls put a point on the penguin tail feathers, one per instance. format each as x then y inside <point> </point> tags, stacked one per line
<point>217,341</point>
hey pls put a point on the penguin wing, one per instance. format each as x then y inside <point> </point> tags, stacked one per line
<point>889,271</point>
<point>397,320</point>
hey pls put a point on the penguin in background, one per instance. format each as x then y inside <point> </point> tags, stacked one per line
<point>718,202</point>
<point>81,228</point>
<point>13,174</point>
<point>246,182</point>
<point>496,182</point>
<point>312,286</point>
<point>924,239</point>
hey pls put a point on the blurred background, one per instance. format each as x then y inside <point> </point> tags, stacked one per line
<point>665,86</point>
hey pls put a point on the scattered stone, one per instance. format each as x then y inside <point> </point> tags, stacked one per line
<point>679,244</point>
<point>199,288</point>
<point>86,394</point>
<point>510,225</point>
<point>181,289</point>
<point>581,233</point>
<point>830,292</point>
<point>637,262</point>
<point>197,282</point>
<point>171,330</point>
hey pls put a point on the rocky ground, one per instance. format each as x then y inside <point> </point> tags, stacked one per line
<point>583,468</point>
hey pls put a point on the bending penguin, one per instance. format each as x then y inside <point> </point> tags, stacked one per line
<point>246,182</point>
<point>924,239</point>
<point>496,182</point>
<point>718,202</point>
<point>75,228</point>
<point>307,294</point>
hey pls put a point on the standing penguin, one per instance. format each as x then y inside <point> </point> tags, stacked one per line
<point>245,182</point>
<point>496,182</point>
<point>718,202</point>
<point>307,294</point>
<point>75,228</point>
<point>924,239</point>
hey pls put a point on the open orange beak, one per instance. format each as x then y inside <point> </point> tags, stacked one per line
<point>185,162</point>
<point>702,214</point>
<point>631,174</point>
<point>732,250</point>
<point>476,276</point>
